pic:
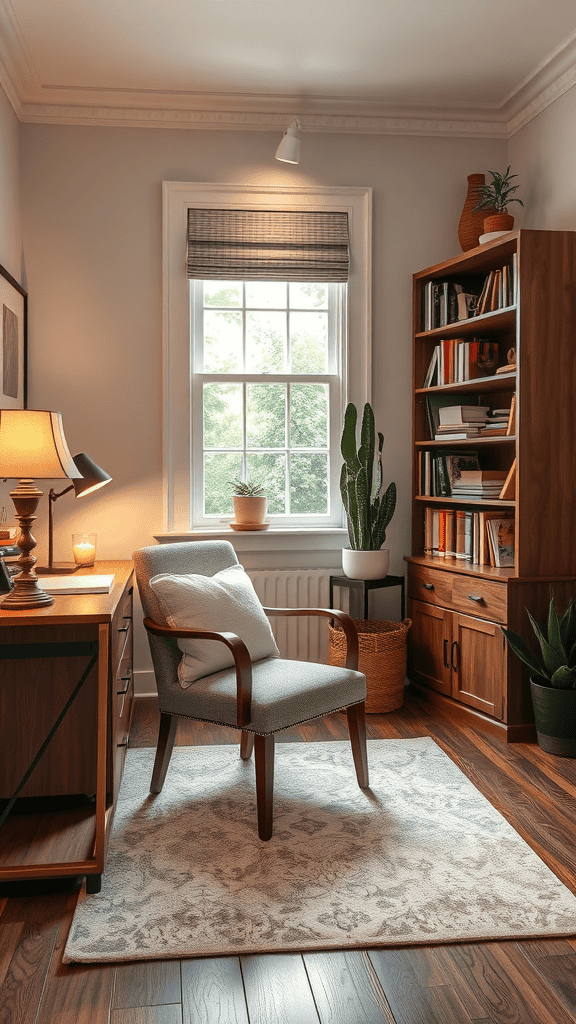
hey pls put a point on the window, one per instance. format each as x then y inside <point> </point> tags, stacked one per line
<point>257,374</point>
<point>267,391</point>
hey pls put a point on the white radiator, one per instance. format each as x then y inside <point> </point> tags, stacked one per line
<point>304,637</point>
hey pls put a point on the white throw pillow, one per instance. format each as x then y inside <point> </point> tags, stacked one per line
<point>225,602</point>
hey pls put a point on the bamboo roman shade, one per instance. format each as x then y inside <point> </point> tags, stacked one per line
<point>267,245</point>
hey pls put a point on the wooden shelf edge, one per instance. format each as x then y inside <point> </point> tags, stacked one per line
<point>480,503</point>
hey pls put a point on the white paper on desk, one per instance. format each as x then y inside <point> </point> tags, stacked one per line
<point>76,584</point>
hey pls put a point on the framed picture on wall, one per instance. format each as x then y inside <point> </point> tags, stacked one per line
<point>13,343</point>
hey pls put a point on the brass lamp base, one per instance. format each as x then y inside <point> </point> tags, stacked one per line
<point>26,592</point>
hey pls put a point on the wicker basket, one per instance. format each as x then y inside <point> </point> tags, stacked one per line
<point>382,659</point>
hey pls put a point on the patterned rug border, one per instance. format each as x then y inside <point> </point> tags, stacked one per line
<point>227,906</point>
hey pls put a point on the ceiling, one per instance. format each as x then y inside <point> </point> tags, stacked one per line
<point>448,67</point>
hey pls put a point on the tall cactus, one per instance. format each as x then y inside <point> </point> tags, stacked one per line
<point>367,512</point>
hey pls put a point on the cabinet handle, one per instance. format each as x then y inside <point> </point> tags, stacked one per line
<point>123,629</point>
<point>445,654</point>
<point>427,586</point>
<point>476,597</point>
<point>124,679</point>
<point>123,744</point>
<point>454,650</point>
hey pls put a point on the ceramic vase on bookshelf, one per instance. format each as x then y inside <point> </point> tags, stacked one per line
<point>471,224</point>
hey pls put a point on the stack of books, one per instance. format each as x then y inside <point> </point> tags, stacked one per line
<point>479,484</point>
<point>457,422</point>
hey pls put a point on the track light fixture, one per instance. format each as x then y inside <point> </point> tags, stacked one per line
<point>289,149</point>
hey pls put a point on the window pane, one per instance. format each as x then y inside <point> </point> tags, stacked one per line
<point>265,342</point>
<point>219,469</point>
<point>309,342</point>
<point>308,296</point>
<point>309,416</point>
<point>222,415</point>
<point>308,484</point>
<point>222,341</point>
<point>222,293</point>
<point>270,469</point>
<point>266,294</point>
<point>266,415</point>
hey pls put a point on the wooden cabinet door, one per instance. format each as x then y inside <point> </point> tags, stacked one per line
<point>430,641</point>
<point>478,664</point>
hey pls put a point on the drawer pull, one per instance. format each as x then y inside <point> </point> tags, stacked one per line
<point>427,586</point>
<point>477,598</point>
<point>123,629</point>
<point>454,651</point>
<point>123,744</point>
<point>445,654</point>
<point>124,679</point>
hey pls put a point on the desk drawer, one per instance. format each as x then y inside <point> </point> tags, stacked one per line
<point>482,598</point>
<point>121,629</point>
<point>431,585</point>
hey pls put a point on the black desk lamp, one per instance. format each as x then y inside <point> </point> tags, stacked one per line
<point>92,478</point>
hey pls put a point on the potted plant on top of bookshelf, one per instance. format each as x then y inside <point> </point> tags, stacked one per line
<point>496,198</point>
<point>553,679</point>
<point>368,513</point>
<point>250,504</point>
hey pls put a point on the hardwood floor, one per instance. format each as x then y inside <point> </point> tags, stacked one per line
<point>502,982</point>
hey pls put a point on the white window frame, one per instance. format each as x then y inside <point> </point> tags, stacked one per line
<point>178,418</point>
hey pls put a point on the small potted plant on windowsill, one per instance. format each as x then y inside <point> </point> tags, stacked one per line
<point>250,504</point>
<point>495,196</point>
<point>367,511</point>
<point>553,679</point>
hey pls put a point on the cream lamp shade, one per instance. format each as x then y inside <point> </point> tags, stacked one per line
<point>33,446</point>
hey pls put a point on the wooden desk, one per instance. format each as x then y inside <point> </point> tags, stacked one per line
<point>61,821</point>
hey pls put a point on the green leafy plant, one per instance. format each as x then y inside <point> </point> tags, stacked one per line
<point>557,666</point>
<point>247,488</point>
<point>368,513</point>
<point>496,194</point>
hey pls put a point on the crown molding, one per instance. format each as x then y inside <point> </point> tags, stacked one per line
<point>37,103</point>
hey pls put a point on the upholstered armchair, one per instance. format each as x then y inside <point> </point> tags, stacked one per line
<point>215,659</point>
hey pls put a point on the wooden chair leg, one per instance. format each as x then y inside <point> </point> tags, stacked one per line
<point>357,728</point>
<point>246,745</point>
<point>166,737</point>
<point>264,747</point>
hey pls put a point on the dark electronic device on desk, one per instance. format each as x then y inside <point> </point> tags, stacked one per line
<point>5,578</point>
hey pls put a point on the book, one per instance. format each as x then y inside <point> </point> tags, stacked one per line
<point>457,414</point>
<point>77,584</point>
<point>432,371</point>
<point>456,435</point>
<point>508,491</point>
<point>480,476</point>
<point>501,536</point>
<point>511,425</point>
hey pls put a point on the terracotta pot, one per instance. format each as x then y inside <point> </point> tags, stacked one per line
<point>498,222</point>
<point>249,509</point>
<point>471,224</point>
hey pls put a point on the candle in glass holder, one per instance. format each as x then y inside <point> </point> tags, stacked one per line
<point>84,548</point>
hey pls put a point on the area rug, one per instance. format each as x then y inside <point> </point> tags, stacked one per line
<point>420,857</point>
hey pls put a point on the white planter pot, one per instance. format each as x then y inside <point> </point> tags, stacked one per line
<point>365,565</point>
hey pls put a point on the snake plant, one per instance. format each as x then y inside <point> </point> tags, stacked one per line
<point>367,511</point>
<point>557,666</point>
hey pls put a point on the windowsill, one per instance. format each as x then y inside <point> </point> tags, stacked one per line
<point>277,538</point>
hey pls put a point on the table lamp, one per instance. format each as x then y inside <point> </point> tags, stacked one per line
<point>91,479</point>
<point>32,446</point>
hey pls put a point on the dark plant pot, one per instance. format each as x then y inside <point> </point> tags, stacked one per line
<point>555,715</point>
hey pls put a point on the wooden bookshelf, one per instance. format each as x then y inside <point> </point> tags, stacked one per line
<point>458,656</point>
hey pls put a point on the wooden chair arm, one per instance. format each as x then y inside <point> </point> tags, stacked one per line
<point>347,623</point>
<point>242,661</point>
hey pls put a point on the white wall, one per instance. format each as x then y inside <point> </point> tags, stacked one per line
<point>92,232</point>
<point>10,229</point>
<point>543,154</point>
